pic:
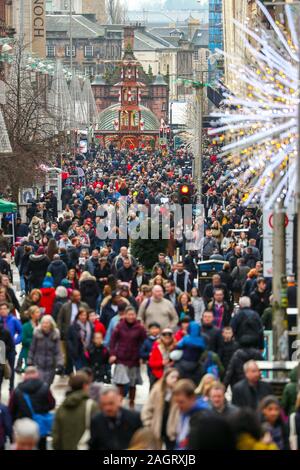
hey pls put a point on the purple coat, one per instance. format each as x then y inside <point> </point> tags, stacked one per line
<point>126,341</point>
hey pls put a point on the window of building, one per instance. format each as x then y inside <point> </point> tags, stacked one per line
<point>196,55</point>
<point>89,71</point>
<point>68,51</point>
<point>89,51</point>
<point>50,50</point>
<point>163,107</point>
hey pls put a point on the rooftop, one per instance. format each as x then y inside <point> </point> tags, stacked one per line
<point>81,26</point>
<point>108,116</point>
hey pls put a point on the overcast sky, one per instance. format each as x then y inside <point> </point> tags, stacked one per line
<point>151,4</point>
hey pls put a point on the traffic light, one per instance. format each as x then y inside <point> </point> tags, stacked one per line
<point>185,194</point>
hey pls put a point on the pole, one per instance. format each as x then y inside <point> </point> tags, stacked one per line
<point>298,224</point>
<point>71,38</point>
<point>279,325</point>
<point>198,129</point>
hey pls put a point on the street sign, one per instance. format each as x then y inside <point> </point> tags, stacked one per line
<point>268,227</point>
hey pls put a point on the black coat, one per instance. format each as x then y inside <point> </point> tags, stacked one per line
<point>135,287</point>
<point>5,336</point>
<point>226,351</point>
<point>126,274</point>
<point>245,396</point>
<point>90,291</point>
<point>59,271</point>
<point>107,434</point>
<point>260,301</point>
<point>74,343</point>
<point>213,337</point>
<point>107,313</point>
<point>235,371</point>
<point>41,398</point>
<point>248,329</point>
<point>102,273</point>
<point>98,361</point>
<point>37,268</point>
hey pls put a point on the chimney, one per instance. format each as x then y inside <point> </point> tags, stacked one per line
<point>128,40</point>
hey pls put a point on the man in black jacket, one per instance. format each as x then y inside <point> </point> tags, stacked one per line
<point>251,390</point>
<point>209,289</point>
<point>211,333</point>
<point>247,326</point>
<point>260,297</point>
<point>235,371</point>
<point>127,272</point>
<point>113,428</point>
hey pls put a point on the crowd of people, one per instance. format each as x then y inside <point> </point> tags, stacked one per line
<point>90,310</point>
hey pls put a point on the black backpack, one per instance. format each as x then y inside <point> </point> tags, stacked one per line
<point>249,331</point>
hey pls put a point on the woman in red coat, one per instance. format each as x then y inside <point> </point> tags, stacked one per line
<point>125,344</point>
<point>159,358</point>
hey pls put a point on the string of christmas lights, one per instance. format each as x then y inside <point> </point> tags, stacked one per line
<point>259,124</point>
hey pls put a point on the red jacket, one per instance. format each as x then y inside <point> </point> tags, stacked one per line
<point>47,300</point>
<point>156,361</point>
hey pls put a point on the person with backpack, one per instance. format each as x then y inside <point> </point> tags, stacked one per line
<point>247,326</point>
<point>239,278</point>
<point>235,370</point>
<point>210,363</point>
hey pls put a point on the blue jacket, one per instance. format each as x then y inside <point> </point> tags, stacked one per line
<point>184,423</point>
<point>193,344</point>
<point>147,347</point>
<point>14,326</point>
<point>5,425</point>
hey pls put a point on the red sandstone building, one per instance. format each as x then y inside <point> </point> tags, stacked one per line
<point>132,105</point>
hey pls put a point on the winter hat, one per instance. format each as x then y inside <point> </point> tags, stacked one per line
<point>48,281</point>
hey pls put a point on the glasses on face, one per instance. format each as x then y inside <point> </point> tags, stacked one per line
<point>167,334</point>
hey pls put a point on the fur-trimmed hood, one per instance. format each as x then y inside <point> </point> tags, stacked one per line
<point>38,333</point>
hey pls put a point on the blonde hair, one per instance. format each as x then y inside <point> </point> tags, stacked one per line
<point>32,310</point>
<point>86,276</point>
<point>144,439</point>
<point>204,387</point>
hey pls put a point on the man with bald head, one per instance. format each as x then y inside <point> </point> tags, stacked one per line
<point>157,309</point>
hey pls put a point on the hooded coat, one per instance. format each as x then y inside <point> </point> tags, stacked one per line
<point>40,395</point>
<point>193,344</point>
<point>37,268</point>
<point>47,300</point>
<point>45,353</point>
<point>58,270</point>
<point>70,421</point>
<point>90,291</point>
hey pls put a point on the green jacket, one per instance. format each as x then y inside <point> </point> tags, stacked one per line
<point>69,422</point>
<point>27,335</point>
<point>290,393</point>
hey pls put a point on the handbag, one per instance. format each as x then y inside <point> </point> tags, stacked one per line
<point>293,438</point>
<point>43,420</point>
<point>6,370</point>
<point>83,443</point>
